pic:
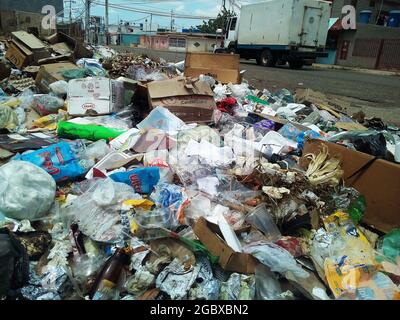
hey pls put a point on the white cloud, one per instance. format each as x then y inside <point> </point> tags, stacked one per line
<point>212,11</point>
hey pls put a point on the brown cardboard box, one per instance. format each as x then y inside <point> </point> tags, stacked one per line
<point>378,181</point>
<point>19,55</point>
<point>222,67</point>
<point>190,100</point>
<point>210,235</point>
<point>50,73</point>
<point>25,49</point>
<point>64,44</point>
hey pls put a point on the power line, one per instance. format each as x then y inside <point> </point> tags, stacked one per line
<point>155,13</point>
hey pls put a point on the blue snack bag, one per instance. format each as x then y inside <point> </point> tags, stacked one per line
<point>58,160</point>
<point>142,180</point>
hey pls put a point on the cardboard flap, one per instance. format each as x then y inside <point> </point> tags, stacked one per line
<point>212,60</point>
<point>179,86</point>
<point>212,241</point>
<point>29,40</point>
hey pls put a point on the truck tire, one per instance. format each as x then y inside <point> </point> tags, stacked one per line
<point>296,64</point>
<point>266,59</point>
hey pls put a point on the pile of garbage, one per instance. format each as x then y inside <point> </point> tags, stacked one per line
<point>121,178</point>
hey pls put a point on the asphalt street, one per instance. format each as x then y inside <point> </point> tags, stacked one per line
<point>377,95</point>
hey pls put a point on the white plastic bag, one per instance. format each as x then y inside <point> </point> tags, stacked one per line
<point>26,191</point>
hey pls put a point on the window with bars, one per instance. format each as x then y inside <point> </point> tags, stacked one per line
<point>177,42</point>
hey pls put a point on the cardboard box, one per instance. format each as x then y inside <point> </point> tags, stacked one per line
<point>222,67</point>
<point>50,73</point>
<point>25,49</point>
<point>64,44</point>
<point>378,180</point>
<point>210,235</point>
<point>191,101</point>
<point>94,96</point>
<point>18,55</point>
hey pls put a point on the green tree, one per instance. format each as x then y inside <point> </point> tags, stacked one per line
<point>219,22</point>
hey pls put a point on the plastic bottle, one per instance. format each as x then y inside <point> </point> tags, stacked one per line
<point>92,132</point>
<point>108,282</point>
<point>357,208</point>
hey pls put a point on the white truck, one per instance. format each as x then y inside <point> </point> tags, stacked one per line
<point>280,31</point>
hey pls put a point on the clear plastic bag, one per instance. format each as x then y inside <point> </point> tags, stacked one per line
<point>97,210</point>
<point>26,191</point>
<point>267,286</point>
<point>261,218</point>
<point>277,258</point>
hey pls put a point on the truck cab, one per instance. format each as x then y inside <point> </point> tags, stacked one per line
<point>231,34</point>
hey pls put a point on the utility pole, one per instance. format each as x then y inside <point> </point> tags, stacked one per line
<point>106,31</point>
<point>87,20</point>
<point>171,20</point>
<point>151,20</point>
<point>70,16</point>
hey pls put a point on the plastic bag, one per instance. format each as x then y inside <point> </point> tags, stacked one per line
<point>368,141</point>
<point>267,286</point>
<point>14,263</point>
<point>142,180</point>
<point>261,218</point>
<point>60,88</point>
<point>97,211</point>
<point>161,118</point>
<point>171,197</point>
<point>8,118</point>
<point>26,191</point>
<point>277,258</point>
<point>47,104</point>
<point>59,160</point>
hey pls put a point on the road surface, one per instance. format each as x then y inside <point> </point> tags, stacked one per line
<point>376,95</point>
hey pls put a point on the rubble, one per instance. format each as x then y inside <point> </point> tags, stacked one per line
<point>127,178</point>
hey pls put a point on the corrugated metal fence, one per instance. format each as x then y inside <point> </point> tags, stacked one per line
<point>385,51</point>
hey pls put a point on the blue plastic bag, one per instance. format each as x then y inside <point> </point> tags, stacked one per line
<point>59,160</point>
<point>308,134</point>
<point>142,180</point>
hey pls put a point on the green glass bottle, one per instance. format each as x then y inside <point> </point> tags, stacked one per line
<point>92,132</point>
<point>357,208</point>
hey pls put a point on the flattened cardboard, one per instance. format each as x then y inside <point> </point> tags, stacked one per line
<point>50,73</point>
<point>209,234</point>
<point>191,101</point>
<point>222,67</point>
<point>378,181</point>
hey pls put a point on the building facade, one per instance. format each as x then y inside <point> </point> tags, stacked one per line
<point>374,44</point>
<point>25,15</point>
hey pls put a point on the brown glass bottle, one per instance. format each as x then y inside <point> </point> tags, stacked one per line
<point>106,284</point>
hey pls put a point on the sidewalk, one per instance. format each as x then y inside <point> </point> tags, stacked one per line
<point>368,71</point>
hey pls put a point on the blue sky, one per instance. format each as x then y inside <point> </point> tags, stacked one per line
<point>191,7</point>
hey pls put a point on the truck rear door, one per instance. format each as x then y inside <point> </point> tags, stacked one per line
<point>310,28</point>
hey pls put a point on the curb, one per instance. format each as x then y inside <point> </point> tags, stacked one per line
<point>368,71</point>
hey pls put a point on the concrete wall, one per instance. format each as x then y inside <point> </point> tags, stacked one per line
<point>364,31</point>
<point>13,21</point>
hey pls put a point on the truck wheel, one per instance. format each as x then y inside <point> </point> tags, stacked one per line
<point>266,59</point>
<point>296,64</point>
<point>231,50</point>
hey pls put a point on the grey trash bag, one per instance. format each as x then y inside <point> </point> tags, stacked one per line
<point>14,263</point>
<point>26,191</point>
